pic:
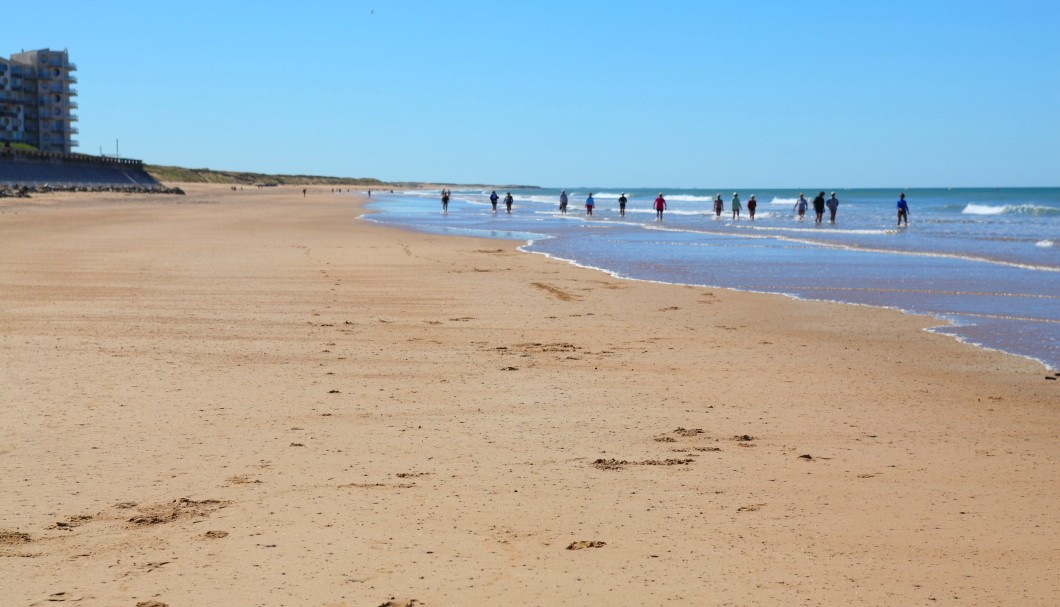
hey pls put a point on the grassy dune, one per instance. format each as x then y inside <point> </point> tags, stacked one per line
<point>180,174</point>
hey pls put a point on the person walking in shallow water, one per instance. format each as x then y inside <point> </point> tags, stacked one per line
<point>719,206</point>
<point>818,208</point>
<point>833,206</point>
<point>493,200</point>
<point>563,202</point>
<point>903,210</point>
<point>660,206</point>
<point>800,206</point>
<point>622,200</point>
<point>736,207</point>
<point>752,204</point>
<point>589,204</point>
<point>445,201</point>
<point>508,200</point>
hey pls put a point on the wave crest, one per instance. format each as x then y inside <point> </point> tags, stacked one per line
<point>1009,209</point>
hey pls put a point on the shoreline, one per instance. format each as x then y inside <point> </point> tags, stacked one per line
<point>941,320</point>
<point>963,317</point>
<point>303,407</point>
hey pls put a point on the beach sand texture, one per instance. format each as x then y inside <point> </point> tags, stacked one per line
<point>251,398</point>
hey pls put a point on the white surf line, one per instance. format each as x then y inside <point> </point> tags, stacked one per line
<point>847,247</point>
<point>928,291</point>
<point>1000,317</point>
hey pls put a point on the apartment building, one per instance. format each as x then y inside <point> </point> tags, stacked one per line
<point>37,100</point>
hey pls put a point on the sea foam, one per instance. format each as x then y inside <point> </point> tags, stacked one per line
<point>1006,209</point>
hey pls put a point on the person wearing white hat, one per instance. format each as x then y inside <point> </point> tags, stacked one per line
<point>736,208</point>
<point>833,205</point>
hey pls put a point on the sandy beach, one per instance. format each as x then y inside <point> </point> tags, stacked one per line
<point>255,398</point>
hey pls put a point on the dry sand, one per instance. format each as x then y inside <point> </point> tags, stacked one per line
<point>251,398</point>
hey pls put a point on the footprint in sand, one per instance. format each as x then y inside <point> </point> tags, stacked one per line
<point>583,544</point>
<point>14,538</point>
<point>73,521</point>
<point>183,508</point>
<point>556,292</point>
<point>242,479</point>
<point>620,464</point>
<point>688,433</point>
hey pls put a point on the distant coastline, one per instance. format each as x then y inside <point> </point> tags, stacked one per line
<point>174,174</point>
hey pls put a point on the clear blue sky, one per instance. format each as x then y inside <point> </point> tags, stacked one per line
<point>568,93</point>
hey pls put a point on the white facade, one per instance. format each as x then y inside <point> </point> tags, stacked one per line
<point>37,100</point>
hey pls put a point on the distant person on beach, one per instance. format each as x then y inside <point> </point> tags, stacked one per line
<point>589,204</point>
<point>563,202</point>
<point>660,206</point>
<point>622,200</point>
<point>493,200</point>
<point>833,206</point>
<point>369,193</point>
<point>752,204</point>
<point>903,210</point>
<point>445,201</point>
<point>736,207</point>
<point>818,208</point>
<point>719,206</point>
<point>303,192</point>
<point>508,200</point>
<point>800,206</point>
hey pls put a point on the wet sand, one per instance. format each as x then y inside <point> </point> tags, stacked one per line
<point>254,398</point>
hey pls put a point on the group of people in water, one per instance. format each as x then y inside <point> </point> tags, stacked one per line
<point>820,204</point>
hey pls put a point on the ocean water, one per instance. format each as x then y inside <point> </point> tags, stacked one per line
<point>986,262</point>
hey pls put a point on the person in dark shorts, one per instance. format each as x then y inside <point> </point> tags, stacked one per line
<point>445,201</point>
<point>563,202</point>
<point>493,200</point>
<point>800,206</point>
<point>589,204</point>
<point>752,204</point>
<point>508,200</point>
<point>736,207</point>
<point>719,206</point>
<point>622,200</point>
<point>903,210</point>
<point>660,206</point>
<point>833,206</point>
<point>818,208</point>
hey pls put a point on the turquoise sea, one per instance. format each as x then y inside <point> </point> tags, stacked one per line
<point>986,262</point>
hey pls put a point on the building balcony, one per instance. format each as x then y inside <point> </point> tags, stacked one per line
<point>72,66</point>
<point>72,105</point>
<point>73,91</point>
<point>71,79</point>
<point>74,130</point>
<point>73,117</point>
